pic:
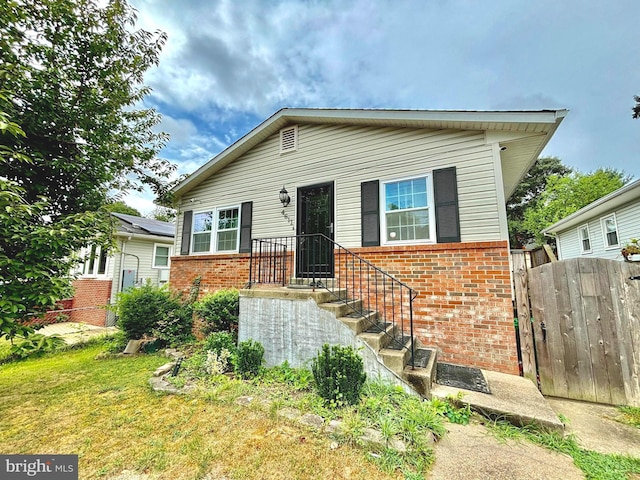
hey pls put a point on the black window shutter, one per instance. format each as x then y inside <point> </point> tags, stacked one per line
<point>445,191</point>
<point>246,213</point>
<point>370,213</point>
<point>185,244</point>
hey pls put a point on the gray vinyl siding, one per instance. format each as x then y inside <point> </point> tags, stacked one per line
<point>143,249</point>
<point>349,155</point>
<point>628,222</point>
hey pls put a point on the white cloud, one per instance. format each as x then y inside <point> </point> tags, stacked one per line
<point>230,61</point>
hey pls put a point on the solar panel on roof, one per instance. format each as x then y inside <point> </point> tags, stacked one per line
<point>154,227</point>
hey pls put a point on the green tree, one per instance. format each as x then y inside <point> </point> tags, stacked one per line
<point>527,194</point>
<point>566,195</point>
<point>76,73</point>
<point>121,207</point>
<point>36,254</point>
<point>164,214</point>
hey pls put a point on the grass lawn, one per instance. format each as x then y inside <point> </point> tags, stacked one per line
<point>105,411</point>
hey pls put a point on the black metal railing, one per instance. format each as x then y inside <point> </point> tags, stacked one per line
<point>316,261</point>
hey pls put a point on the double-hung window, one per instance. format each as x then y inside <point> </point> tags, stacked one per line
<point>161,254</point>
<point>216,230</point>
<point>407,211</point>
<point>610,231</point>
<point>585,240</point>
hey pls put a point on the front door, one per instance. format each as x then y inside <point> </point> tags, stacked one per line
<point>315,215</point>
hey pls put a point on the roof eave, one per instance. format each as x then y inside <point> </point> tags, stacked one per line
<point>266,128</point>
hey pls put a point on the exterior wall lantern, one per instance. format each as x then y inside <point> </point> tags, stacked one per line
<point>284,197</point>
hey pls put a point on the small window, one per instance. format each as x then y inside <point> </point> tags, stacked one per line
<point>289,139</point>
<point>610,230</point>
<point>406,211</point>
<point>585,241</point>
<point>94,261</point>
<point>161,254</point>
<point>216,231</point>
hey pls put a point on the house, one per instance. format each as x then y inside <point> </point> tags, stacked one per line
<point>144,249</point>
<point>601,228</point>
<point>418,195</point>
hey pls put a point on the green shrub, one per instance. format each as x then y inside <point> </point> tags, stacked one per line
<point>339,374</point>
<point>176,326</point>
<point>140,309</point>
<point>219,311</point>
<point>218,341</point>
<point>249,359</point>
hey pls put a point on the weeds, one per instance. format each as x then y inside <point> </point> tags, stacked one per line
<point>629,416</point>
<point>595,465</point>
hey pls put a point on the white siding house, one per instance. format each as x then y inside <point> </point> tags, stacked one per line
<point>418,194</point>
<point>143,253</point>
<point>601,228</point>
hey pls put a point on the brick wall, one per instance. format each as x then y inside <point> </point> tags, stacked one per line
<point>217,272</point>
<point>89,301</point>
<point>463,306</point>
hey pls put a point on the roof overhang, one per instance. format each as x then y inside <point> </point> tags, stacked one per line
<point>524,133</point>
<point>602,206</point>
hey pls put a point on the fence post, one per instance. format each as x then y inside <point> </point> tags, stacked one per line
<point>525,331</point>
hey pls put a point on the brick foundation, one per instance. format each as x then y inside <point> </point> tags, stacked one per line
<point>463,306</point>
<point>216,272</point>
<point>89,301</point>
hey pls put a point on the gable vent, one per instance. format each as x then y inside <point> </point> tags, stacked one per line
<point>289,139</point>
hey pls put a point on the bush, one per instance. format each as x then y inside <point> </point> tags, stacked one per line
<point>249,360</point>
<point>218,341</point>
<point>141,309</point>
<point>339,374</point>
<point>219,311</point>
<point>176,326</point>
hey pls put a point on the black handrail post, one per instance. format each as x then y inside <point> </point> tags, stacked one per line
<point>251,263</point>
<point>413,357</point>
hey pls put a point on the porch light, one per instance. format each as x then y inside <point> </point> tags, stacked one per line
<point>284,197</point>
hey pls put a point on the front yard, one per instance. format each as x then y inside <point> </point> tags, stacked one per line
<point>105,411</point>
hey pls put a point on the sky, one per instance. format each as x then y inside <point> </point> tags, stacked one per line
<point>230,64</point>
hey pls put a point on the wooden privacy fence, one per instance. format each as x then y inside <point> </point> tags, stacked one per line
<point>583,340</point>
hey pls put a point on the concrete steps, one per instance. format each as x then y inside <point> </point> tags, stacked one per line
<point>369,327</point>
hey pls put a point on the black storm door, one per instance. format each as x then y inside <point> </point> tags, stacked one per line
<point>315,215</point>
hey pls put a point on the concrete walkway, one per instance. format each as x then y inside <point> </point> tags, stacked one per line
<point>73,332</point>
<point>472,452</point>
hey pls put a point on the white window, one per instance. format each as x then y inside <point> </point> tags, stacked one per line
<point>161,254</point>
<point>216,230</point>
<point>610,231</point>
<point>94,261</point>
<point>585,240</point>
<point>407,214</point>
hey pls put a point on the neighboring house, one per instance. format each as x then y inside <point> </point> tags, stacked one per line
<point>601,228</point>
<point>420,194</point>
<point>144,249</point>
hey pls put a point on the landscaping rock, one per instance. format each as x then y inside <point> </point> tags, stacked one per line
<point>289,413</point>
<point>133,346</point>
<point>166,368</point>
<point>334,426</point>
<point>312,420</point>
<point>173,353</point>
<point>244,400</point>
<point>159,384</point>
